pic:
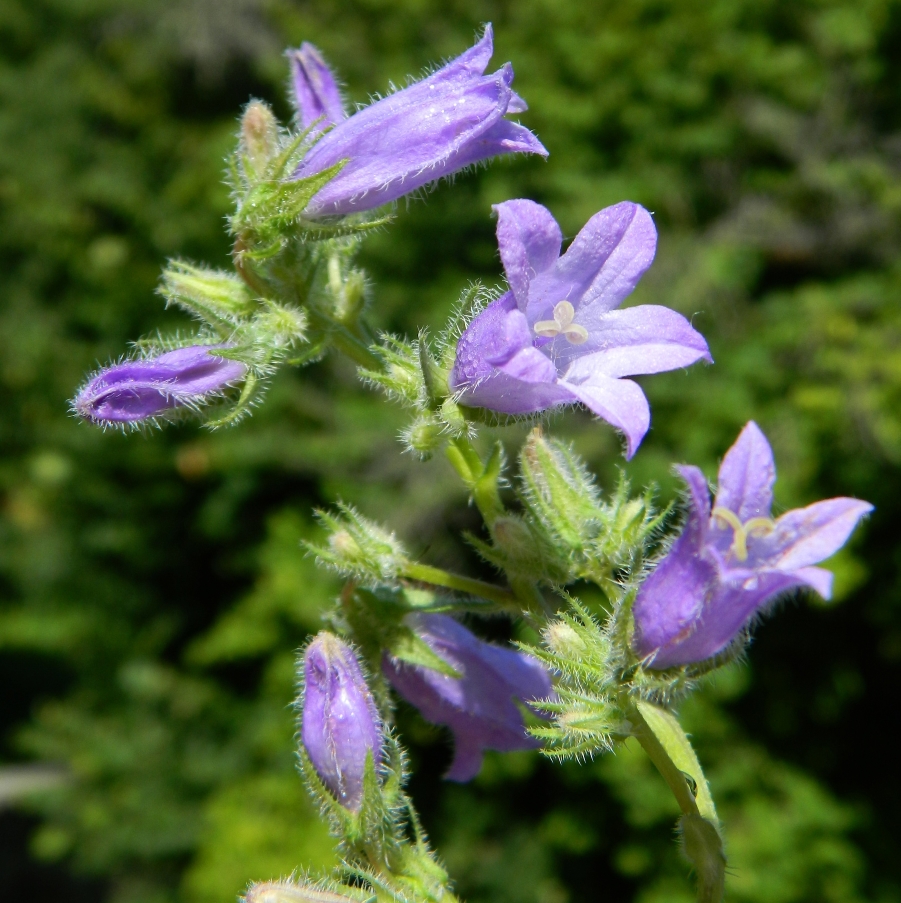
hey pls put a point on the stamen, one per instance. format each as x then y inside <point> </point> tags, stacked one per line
<point>755,526</point>
<point>564,313</point>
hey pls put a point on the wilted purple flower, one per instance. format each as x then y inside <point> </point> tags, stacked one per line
<point>139,389</point>
<point>340,723</point>
<point>316,93</point>
<point>478,705</point>
<point>555,337</point>
<point>729,562</point>
<point>432,128</point>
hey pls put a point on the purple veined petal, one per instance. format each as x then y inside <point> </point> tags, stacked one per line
<point>809,535</point>
<point>603,264</point>
<point>724,615</point>
<point>620,402</point>
<point>529,240</point>
<point>747,475</point>
<point>644,339</point>
<point>316,93</point>
<point>393,150</point>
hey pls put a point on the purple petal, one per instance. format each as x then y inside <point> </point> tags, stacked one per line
<point>529,240</point>
<point>603,264</point>
<point>488,338</point>
<point>671,598</point>
<point>618,401</point>
<point>644,339</point>
<point>509,395</point>
<point>818,579</point>
<point>747,475</point>
<point>517,104</point>
<point>530,366</point>
<point>809,535</point>
<point>729,610</point>
<point>316,93</point>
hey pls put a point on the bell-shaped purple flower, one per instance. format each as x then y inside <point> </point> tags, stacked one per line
<point>316,94</point>
<point>478,706</point>
<point>340,724</point>
<point>555,337</point>
<point>731,560</point>
<point>433,128</point>
<point>140,389</point>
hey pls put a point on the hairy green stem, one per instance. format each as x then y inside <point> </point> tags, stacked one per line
<point>424,573</point>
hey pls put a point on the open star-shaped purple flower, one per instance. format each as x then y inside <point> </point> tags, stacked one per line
<point>732,560</point>
<point>478,706</point>
<point>555,337</point>
<point>431,129</point>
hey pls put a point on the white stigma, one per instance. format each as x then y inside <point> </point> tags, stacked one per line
<point>564,313</point>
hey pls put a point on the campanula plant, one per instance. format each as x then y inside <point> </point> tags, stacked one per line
<point>675,603</point>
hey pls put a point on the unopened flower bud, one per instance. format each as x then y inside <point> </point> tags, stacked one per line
<point>259,134</point>
<point>289,892</point>
<point>141,389</point>
<point>563,639</point>
<point>340,724</point>
<point>425,436</point>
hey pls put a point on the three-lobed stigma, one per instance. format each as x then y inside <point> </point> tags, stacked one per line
<point>564,314</point>
<point>759,526</point>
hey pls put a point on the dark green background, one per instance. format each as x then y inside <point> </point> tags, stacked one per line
<point>152,592</point>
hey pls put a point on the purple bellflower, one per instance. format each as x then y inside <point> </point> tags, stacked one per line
<point>137,390</point>
<point>433,128</point>
<point>731,560</point>
<point>555,338</point>
<point>478,706</point>
<point>316,94</point>
<point>340,724</point>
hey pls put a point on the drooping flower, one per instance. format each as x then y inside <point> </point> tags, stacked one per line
<point>731,561</point>
<point>316,93</point>
<point>478,706</point>
<point>555,338</point>
<point>137,390</point>
<point>433,128</point>
<point>340,725</point>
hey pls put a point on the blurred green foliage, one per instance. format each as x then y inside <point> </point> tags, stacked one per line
<point>152,588</point>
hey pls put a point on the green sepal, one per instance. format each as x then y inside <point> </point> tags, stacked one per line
<point>411,648</point>
<point>434,377</point>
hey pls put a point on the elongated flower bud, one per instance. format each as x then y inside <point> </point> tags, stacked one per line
<point>340,724</point>
<point>139,390</point>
